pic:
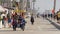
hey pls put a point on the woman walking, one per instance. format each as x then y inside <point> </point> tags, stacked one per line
<point>32,19</point>
<point>14,24</point>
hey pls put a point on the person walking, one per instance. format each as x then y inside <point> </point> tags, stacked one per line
<point>5,22</point>
<point>32,19</point>
<point>0,22</point>
<point>4,16</point>
<point>58,16</point>
<point>9,20</point>
<point>21,22</point>
<point>14,24</point>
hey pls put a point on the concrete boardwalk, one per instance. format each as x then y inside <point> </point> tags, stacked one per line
<point>41,25</point>
<point>54,22</point>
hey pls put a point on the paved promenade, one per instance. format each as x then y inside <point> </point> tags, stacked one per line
<point>41,26</point>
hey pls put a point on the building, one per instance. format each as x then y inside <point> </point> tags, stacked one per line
<point>6,3</point>
<point>23,4</point>
<point>30,6</point>
<point>10,3</point>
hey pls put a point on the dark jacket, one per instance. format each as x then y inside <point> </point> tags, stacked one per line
<point>14,22</point>
<point>32,19</point>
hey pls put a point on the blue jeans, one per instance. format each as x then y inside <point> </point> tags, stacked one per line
<point>2,21</point>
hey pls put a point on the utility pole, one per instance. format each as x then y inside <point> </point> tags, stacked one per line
<point>54,5</point>
<point>54,8</point>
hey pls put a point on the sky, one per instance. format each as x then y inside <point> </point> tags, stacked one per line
<point>42,5</point>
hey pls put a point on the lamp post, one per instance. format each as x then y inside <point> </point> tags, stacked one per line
<point>54,5</point>
<point>54,9</point>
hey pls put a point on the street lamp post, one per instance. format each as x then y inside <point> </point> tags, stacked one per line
<point>54,5</point>
<point>54,8</point>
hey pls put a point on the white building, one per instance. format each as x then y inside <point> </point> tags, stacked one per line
<point>30,6</point>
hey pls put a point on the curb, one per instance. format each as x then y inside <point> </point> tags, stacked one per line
<point>53,23</point>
